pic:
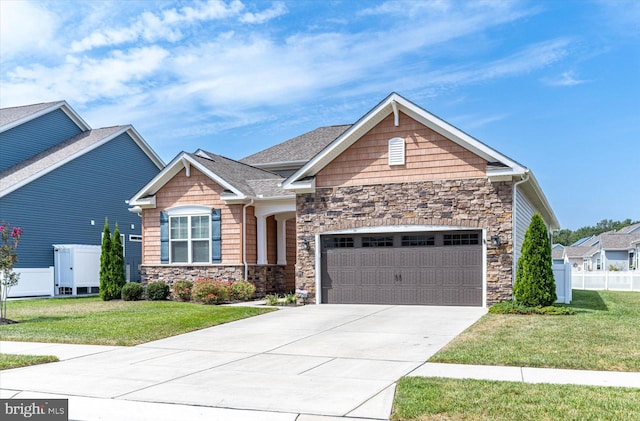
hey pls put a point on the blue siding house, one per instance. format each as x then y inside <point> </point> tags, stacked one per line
<point>59,179</point>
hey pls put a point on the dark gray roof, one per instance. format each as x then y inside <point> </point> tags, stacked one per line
<point>299,148</point>
<point>9,115</point>
<point>51,157</point>
<point>249,180</point>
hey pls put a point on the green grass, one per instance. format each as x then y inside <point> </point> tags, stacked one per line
<point>419,398</point>
<point>8,361</point>
<point>604,334</point>
<point>93,321</point>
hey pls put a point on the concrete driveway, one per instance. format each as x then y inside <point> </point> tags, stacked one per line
<point>331,360</point>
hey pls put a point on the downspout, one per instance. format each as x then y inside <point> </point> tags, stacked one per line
<point>244,239</point>
<point>514,264</point>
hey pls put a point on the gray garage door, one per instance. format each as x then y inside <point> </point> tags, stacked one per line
<point>435,268</point>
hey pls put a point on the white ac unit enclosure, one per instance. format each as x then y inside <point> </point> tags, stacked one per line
<point>76,269</point>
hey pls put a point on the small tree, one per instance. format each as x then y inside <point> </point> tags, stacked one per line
<point>8,257</point>
<point>535,285</point>
<point>118,277</point>
<point>105,263</point>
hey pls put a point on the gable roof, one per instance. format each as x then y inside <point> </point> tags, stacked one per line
<point>500,166</point>
<point>630,229</point>
<point>38,165</point>
<point>240,180</point>
<point>617,241</point>
<point>395,103</point>
<point>298,150</point>
<point>15,116</point>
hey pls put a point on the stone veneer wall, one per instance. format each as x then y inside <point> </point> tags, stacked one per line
<point>267,279</point>
<point>467,203</point>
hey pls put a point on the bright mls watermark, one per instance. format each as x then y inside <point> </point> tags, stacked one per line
<point>34,409</point>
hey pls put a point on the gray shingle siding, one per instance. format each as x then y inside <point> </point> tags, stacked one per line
<point>58,207</point>
<point>35,136</point>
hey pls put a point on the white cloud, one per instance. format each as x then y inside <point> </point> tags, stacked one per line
<point>159,26</point>
<point>278,9</point>
<point>25,27</point>
<point>565,79</point>
<point>82,80</point>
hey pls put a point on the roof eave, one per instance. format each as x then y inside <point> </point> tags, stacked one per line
<point>75,117</point>
<point>173,168</point>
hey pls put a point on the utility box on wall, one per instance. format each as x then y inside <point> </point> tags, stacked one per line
<point>77,269</point>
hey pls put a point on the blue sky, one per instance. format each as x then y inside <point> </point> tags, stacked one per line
<point>554,85</point>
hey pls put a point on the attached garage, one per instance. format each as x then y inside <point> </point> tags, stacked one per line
<point>421,268</point>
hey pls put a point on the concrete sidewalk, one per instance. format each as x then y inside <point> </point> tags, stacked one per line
<point>529,374</point>
<point>455,371</point>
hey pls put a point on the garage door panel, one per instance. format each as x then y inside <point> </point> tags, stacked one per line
<point>422,274</point>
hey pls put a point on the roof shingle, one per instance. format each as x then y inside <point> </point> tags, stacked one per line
<point>299,148</point>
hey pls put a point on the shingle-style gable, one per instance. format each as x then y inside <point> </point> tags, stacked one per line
<point>239,180</point>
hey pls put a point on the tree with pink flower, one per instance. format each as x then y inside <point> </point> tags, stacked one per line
<point>9,239</point>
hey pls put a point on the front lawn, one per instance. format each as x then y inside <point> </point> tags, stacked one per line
<point>603,335</point>
<point>8,361</point>
<point>90,320</point>
<point>419,398</point>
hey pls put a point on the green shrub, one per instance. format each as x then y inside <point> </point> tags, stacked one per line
<point>535,285</point>
<point>241,290</point>
<point>157,291</point>
<point>182,290</point>
<point>210,291</point>
<point>290,298</point>
<point>272,299</point>
<point>131,291</point>
<point>512,307</point>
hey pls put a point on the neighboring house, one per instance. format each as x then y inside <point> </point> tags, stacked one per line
<point>614,250</point>
<point>397,208</point>
<point>557,254</point>
<point>59,179</point>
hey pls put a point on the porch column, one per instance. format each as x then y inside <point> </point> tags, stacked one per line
<point>261,239</point>
<point>281,222</point>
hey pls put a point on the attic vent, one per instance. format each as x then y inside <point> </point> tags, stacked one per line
<point>396,151</point>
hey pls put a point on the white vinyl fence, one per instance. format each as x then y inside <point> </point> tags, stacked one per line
<point>562,276</point>
<point>33,283</point>
<point>606,280</point>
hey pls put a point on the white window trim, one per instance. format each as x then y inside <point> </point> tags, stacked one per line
<point>396,151</point>
<point>181,213</point>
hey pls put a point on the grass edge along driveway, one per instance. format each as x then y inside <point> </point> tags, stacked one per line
<point>89,320</point>
<point>603,335</point>
<point>421,398</point>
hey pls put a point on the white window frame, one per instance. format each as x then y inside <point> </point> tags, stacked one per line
<point>396,151</point>
<point>189,212</point>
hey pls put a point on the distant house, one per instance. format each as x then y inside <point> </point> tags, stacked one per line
<point>398,208</point>
<point>614,250</point>
<point>557,254</point>
<point>59,179</point>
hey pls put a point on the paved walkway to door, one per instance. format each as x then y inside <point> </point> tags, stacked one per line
<point>316,360</point>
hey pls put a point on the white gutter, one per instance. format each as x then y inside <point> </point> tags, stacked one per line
<point>244,239</point>
<point>514,264</point>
